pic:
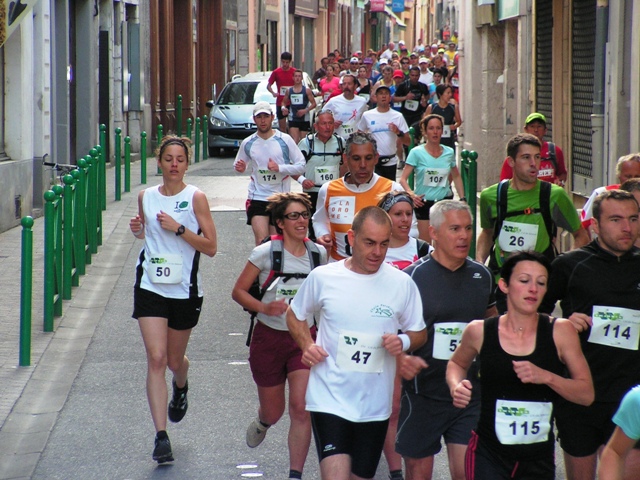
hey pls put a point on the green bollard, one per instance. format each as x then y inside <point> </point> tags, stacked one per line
<point>189,127</point>
<point>470,182</point>
<point>118,160</point>
<point>197,141</point>
<point>205,150</point>
<point>127,164</point>
<point>26,291</point>
<point>80,218</point>
<point>104,155</point>
<point>143,158</point>
<point>58,190</point>
<point>179,116</point>
<point>97,168</point>
<point>159,137</point>
<point>49,260</point>
<point>67,237</point>
<point>101,166</point>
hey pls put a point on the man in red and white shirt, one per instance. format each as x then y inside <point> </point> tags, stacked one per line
<point>283,78</point>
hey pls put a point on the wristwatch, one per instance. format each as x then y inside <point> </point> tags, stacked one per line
<point>400,134</point>
<point>180,230</point>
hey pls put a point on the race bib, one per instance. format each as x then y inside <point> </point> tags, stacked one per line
<point>341,209</point>
<point>283,90</point>
<point>397,105</point>
<point>325,97</point>
<point>347,130</point>
<point>436,177</point>
<point>547,172</point>
<point>522,423</point>
<point>360,352</point>
<point>296,98</point>
<point>516,237</point>
<point>326,174</point>
<point>287,289</point>
<point>366,96</point>
<point>615,327</point>
<point>455,82</point>
<point>446,338</point>
<point>446,131</point>
<point>165,268</point>
<point>411,105</point>
<point>267,177</point>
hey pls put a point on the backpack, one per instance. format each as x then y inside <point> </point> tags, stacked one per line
<point>257,291</point>
<point>544,210</point>
<point>310,139</point>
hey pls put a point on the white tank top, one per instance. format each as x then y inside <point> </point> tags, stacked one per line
<point>168,265</point>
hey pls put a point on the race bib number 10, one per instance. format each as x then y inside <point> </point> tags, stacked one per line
<point>615,327</point>
<point>360,352</point>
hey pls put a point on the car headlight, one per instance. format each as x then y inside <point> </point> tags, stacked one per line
<point>216,122</point>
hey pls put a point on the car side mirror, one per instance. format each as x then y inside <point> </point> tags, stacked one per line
<point>210,103</point>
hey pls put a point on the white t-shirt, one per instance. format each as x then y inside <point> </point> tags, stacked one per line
<point>346,111</point>
<point>256,153</point>
<point>402,257</point>
<point>281,288</point>
<point>377,124</point>
<point>355,382</point>
<point>426,78</point>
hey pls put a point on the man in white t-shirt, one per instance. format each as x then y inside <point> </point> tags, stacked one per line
<point>388,53</point>
<point>426,75</point>
<point>386,126</point>
<point>273,157</point>
<point>360,304</point>
<point>347,107</point>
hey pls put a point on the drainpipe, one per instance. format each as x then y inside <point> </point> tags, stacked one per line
<point>598,158</point>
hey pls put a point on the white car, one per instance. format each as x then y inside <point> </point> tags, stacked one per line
<point>231,116</point>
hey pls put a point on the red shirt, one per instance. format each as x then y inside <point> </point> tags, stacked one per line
<point>547,172</point>
<point>283,80</point>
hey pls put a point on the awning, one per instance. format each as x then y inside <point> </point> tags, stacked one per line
<point>12,12</point>
<point>394,17</point>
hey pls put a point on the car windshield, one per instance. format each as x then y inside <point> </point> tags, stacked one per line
<point>245,93</point>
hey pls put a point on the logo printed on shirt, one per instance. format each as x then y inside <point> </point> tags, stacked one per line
<point>477,275</point>
<point>181,206</point>
<point>382,311</point>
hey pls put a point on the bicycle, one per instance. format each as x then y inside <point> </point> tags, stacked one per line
<point>62,169</point>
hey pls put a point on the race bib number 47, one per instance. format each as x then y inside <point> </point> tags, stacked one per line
<point>615,327</point>
<point>360,352</point>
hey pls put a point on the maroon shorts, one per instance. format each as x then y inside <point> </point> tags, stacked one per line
<point>273,354</point>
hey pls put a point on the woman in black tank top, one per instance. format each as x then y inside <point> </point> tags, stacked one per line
<point>449,111</point>
<point>523,356</point>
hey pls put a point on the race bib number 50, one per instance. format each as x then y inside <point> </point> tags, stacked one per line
<point>165,268</point>
<point>360,352</point>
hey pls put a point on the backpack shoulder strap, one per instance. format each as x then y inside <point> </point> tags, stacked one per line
<point>552,155</point>
<point>422,247</point>
<point>313,252</point>
<point>545,209</point>
<point>340,143</point>
<point>307,155</point>
<point>501,206</point>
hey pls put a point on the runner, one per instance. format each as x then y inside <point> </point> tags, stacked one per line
<point>360,303</point>
<point>274,357</point>
<point>523,357</point>
<point>175,222</point>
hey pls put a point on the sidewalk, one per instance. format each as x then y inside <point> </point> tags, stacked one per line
<point>32,397</point>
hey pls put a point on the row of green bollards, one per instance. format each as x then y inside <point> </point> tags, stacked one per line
<point>72,233</point>
<point>469,166</point>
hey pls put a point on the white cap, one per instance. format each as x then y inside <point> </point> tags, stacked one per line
<point>383,61</point>
<point>423,60</point>
<point>262,107</point>
<point>354,60</point>
<point>401,42</point>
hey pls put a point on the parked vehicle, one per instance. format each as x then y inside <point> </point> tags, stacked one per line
<point>231,115</point>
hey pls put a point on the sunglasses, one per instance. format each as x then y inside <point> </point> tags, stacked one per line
<point>296,215</point>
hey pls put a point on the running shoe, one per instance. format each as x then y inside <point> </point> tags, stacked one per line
<point>178,404</point>
<point>162,452</point>
<point>256,433</point>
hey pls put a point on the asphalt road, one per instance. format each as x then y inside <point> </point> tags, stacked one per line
<point>105,428</point>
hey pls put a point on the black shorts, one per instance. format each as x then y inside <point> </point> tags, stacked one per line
<point>300,125</point>
<point>480,463</point>
<point>422,213</point>
<point>423,422</point>
<point>387,171</point>
<point>257,208</point>
<point>582,430</point>
<point>362,441</point>
<point>182,313</point>
<point>279,114</point>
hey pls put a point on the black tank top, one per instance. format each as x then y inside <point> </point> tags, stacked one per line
<point>449,115</point>
<point>500,383</point>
